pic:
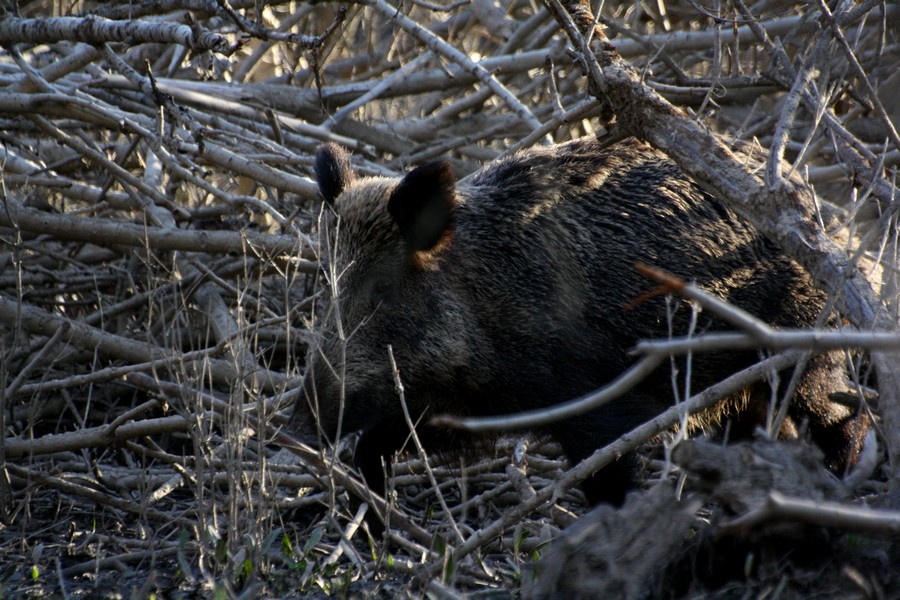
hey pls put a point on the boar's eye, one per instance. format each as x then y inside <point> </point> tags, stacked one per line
<point>381,289</point>
<point>382,286</point>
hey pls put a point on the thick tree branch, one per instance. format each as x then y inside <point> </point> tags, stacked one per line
<point>108,232</point>
<point>97,30</point>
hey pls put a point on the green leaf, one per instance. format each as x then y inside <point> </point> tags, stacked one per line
<point>286,548</point>
<point>221,552</point>
<point>213,533</point>
<point>749,561</point>
<point>440,545</point>
<point>240,558</point>
<point>220,593</point>
<point>36,553</point>
<point>313,540</point>
<point>180,555</point>
<point>518,539</point>
<point>269,541</point>
<point>449,566</point>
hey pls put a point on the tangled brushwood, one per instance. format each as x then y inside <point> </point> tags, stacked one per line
<point>170,315</point>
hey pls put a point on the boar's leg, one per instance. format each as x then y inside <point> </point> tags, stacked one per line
<point>611,483</point>
<point>373,451</point>
<point>581,436</point>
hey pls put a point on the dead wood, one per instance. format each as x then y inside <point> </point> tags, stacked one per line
<point>621,553</point>
<point>763,496</point>
<point>741,476</point>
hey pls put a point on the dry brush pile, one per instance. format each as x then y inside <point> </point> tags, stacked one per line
<point>158,244</point>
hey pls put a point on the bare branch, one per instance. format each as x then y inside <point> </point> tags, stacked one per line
<point>97,30</point>
<point>829,514</point>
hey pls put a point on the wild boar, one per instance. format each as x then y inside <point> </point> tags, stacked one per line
<point>515,291</point>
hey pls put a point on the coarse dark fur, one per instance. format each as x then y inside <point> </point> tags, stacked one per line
<point>513,292</point>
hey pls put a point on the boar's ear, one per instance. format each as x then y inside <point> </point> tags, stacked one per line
<point>423,204</point>
<point>333,171</point>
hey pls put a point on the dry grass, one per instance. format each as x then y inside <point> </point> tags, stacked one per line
<point>159,264</point>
